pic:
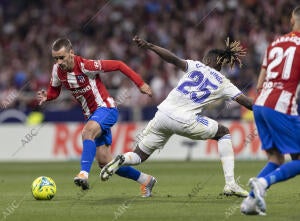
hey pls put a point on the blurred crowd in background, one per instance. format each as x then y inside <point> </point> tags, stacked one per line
<point>104,30</point>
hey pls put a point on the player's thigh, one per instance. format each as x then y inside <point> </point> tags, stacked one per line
<point>102,120</point>
<point>91,130</point>
<point>155,135</point>
<point>284,130</point>
<point>106,119</point>
<point>202,128</point>
<point>105,138</point>
<point>103,155</point>
<point>263,128</point>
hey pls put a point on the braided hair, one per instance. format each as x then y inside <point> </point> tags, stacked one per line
<point>230,55</point>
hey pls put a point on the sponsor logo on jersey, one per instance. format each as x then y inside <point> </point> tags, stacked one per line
<point>81,90</point>
<point>270,84</point>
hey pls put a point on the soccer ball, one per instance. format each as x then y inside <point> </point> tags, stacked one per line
<point>43,188</point>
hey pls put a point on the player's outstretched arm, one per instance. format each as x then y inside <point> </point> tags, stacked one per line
<point>245,101</point>
<point>115,65</point>
<point>162,52</point>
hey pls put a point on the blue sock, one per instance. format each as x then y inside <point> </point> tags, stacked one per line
<point>284,172</point>
<point>128,172</point>
<point>88,154</point>
<point>270,167</point>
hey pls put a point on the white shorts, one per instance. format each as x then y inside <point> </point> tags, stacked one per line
<point>162,127</point>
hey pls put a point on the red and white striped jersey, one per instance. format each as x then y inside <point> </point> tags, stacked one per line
<point>282,65</point>
<point>85,83</point>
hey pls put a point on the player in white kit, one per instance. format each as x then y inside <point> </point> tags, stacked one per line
<point>180,112</point>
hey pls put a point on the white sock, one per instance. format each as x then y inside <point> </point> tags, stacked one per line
<point>86,174</point>
<point>227,157</point>
<point>264,182</point>
<point>143,179</point>
<point>131,158</point>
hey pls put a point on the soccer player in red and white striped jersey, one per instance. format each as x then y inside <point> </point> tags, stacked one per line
<point>280,74</point>
<point>276,117</point>
<point>81,77</point>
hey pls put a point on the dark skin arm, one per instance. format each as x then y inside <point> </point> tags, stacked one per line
<point>162,52</point>
<point>247,102</point>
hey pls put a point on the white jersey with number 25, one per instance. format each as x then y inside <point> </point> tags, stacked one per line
<point>199,86</point>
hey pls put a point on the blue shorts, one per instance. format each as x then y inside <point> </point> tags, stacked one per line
<point>106,118</point>
<point>278,130</point>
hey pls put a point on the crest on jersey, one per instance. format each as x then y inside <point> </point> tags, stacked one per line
<point>81,78</point>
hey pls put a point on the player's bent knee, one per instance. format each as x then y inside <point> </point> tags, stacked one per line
<point>222,131</point>
<point>90,131</point>
<point>87,134</point>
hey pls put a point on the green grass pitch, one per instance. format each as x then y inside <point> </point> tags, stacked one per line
<point>185,191</point>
